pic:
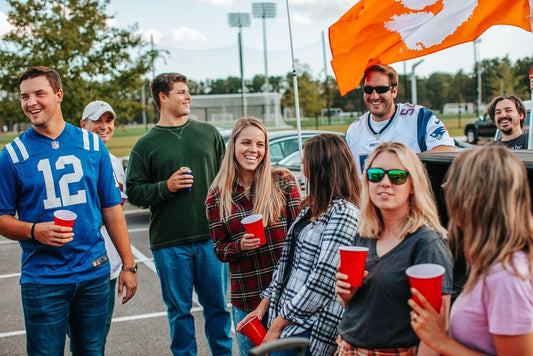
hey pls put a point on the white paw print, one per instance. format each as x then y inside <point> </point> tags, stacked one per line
<point>421,29</point>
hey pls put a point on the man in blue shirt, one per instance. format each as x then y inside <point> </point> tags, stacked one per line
<point>65,271</point>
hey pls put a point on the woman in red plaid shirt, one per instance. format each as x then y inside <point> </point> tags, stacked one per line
<point>247,184</point>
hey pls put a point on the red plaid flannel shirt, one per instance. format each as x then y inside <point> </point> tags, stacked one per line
<point>251,271</point>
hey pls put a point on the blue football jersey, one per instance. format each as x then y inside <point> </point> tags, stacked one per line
<point>40,175</point>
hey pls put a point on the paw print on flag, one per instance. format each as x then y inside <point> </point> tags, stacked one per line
<point>424,29</point>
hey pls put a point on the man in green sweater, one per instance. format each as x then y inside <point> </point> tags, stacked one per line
<point>179,234</point>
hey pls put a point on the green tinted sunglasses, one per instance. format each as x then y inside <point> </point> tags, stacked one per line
<point>396,176</point>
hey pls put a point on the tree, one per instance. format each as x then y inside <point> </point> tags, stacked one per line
<point>437,90</point>
<point>310,93</point>
<point>94,59</point>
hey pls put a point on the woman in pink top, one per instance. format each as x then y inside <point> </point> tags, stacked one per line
<point>489,206</point>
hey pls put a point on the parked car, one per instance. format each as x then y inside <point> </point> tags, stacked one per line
<point>484,128</point>
<point>283,143</point>
<point>292,161</point>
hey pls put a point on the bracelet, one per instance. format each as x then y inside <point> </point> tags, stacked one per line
<point>33,231</point>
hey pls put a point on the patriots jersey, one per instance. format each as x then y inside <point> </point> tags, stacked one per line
<point>413,125</point>
<point>40,175</point>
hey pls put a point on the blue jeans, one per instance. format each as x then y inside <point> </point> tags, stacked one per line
<point>50,309</point>
<point>110,305</point>
<point>245,345</point>
<point>180,268</point>
<point>306,334</point>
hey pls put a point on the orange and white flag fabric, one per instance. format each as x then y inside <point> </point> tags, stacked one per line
<point>388,31</point>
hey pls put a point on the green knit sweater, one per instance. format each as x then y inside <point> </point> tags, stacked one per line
<point>177,218</point>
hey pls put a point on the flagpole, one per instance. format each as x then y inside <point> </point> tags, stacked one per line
<point>530,134</point>
<point>295,86</point>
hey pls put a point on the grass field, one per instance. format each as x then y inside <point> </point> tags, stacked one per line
<point>126,136</point>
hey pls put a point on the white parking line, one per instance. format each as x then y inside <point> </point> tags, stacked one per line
<point>11,275</point>
<point>139,258</point>
<point>115,320</point>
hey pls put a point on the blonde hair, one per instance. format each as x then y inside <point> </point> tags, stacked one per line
<point>422,207</point>
<point>268,199</point>
<point>489,208</point>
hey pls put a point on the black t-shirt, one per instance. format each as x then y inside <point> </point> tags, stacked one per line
<point>519,143</point>
<point>377,317</point>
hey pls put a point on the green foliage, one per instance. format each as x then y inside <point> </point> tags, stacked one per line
<point>94,59</point>
<point>310,92</point>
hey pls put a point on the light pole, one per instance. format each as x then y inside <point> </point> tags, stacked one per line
<point>478,72</point>
<point>240,20</point>
<point>414,98</point>
<point>265,10</point>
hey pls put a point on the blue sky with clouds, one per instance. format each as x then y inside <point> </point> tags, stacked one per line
<point>201,44</point>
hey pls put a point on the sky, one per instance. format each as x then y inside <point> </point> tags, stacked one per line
<point>201,44</point>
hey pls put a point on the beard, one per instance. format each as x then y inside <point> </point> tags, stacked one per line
<point>507,131</point>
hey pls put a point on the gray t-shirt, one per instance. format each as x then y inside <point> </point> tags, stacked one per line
<point>377,317</point>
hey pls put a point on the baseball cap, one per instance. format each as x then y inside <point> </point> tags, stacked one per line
<point>95,109</point>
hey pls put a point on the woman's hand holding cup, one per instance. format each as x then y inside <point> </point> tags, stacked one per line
<point>249,242</point>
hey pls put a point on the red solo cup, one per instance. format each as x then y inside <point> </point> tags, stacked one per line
<point>353,260</point>
<point>64,218</point>
<point>253,224</point>
<point>253,330</point>
<point>427,279</point>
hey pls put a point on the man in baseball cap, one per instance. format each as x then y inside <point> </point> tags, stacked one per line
<point>99,118</point>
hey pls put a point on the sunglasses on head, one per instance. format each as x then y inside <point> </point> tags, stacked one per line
<point>380,90</point>
<point>396,176</point>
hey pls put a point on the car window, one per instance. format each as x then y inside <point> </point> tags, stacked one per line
<point>292,160</point>
<point>283,148</point>
<point>276,152</point>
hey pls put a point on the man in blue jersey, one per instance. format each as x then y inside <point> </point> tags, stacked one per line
<point>413,125</point>
<point>65,271</point>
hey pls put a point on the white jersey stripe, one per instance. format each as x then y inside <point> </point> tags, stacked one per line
<point>96,142</point>
<point>85,139</point>
<point>22,149</point>
<point>12,153</point>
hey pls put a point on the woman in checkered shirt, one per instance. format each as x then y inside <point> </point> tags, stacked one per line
<point>301,298</point>
<point>247,184</point>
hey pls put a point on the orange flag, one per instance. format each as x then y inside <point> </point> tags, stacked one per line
<point>388,31</point>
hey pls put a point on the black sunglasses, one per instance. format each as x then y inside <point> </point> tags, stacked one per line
<point>380,90</point>
<point>396,176</point>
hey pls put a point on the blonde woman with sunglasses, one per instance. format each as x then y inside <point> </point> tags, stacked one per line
<point>400,227</point>
<point>489,205</point>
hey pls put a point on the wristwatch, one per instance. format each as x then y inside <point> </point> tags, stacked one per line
<point>130,268</point>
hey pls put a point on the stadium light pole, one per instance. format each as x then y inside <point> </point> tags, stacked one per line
<point>240,20</point>
<point>265,10</point>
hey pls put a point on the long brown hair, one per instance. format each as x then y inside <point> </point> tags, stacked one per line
<point>331,173</point>
<point>268,199</point>
<point>489,208</point>
<point>422,210</point>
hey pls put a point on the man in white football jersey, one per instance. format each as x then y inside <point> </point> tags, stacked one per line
<point>413,125</point>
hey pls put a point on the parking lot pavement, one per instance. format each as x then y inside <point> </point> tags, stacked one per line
<point>139,327</point>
